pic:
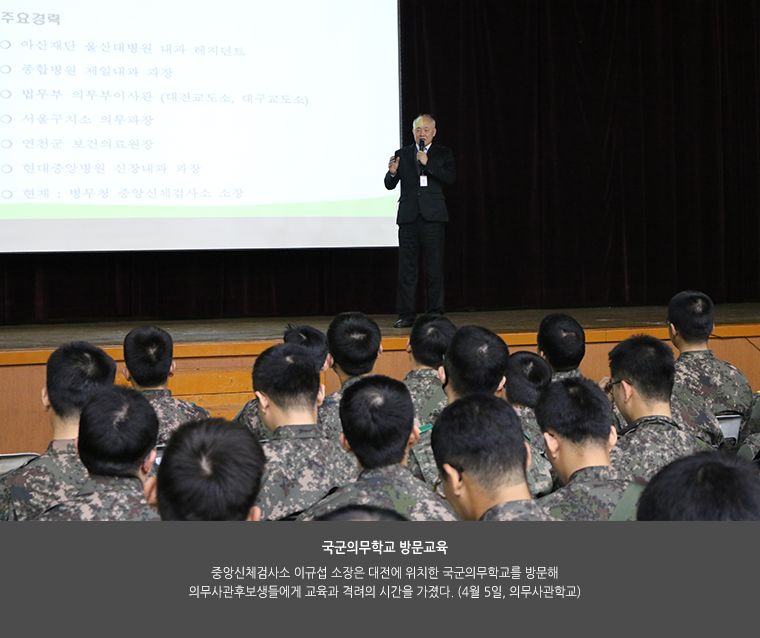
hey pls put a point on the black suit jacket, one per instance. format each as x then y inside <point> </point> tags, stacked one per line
<point>429,200</point>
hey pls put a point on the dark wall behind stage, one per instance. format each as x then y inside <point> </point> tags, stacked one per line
<point>608,153</point>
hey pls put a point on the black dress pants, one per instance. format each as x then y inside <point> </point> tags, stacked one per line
<point>413,237</point>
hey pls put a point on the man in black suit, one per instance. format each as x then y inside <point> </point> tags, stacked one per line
<point>423,169</point>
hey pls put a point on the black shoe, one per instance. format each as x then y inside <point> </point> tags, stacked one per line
<point>404,322</point>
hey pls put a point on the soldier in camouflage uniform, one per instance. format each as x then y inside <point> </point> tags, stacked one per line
<point>75,371</point>
<point>428,342</point>
<point>148,356</point>
<point>704,386</point>
<point>562,342</point>
<point>642,372</point>
<point>528,375</point>
<point>302,465</point>
<point>310,338</point>
<point>575,417</point>
<point>117,444</point>
<point>482,456</point>
<point>355,343</point>
<point>377,415</point>
<point>211,470</point>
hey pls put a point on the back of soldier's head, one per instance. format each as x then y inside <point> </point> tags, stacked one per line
<point>693,315</point>
<point>377,415</point>
<point>362,513</point>
<point>118,429</point>
<point>647,364</point>
<point>430,338</point>
<point>354,341</point>
<point>287,374</point>
<point>75,371</point>
<point>576,410</point>
<point>148,355</point>
<point>709,486</point>
<point>211,470</point>
<point>481,435</point>
<point>527,376</point>
<point>476,361</point>
<point>562,340</point>
<point>314,340</point>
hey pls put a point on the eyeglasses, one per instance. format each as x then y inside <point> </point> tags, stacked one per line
<point>438,485</point>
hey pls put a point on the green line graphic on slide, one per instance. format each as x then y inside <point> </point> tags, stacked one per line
<point>376,207</point>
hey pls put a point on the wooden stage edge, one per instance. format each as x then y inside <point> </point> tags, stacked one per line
<point>214,357</point>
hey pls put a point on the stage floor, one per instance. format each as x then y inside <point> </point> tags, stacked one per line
<point>269,329</point>
<point>112,333</point>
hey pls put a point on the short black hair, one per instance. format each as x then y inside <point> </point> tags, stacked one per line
<point>362,513</point>
<point>527,376</point>
<point>481,434</point>
<point>211,470</point>
<point>646,363</point>
<point>117,430</point>
<point>311,338</point>
<point>475,361</point>
<point>75,371</point>
<point>287,375</point>
<point>562,340</point>
<point>708,486</point>
<point>354,341</point>
<point>148,355</point>
<point>430,338</point>
<point>693,315</point>
<point>575,409</point>
<point>377,415</point>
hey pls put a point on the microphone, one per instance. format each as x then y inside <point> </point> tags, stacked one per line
<point>422,148</point>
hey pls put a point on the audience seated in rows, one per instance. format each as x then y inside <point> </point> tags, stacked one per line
<point>487,417</point>
<point>118,429</point>
<point>74,372</point>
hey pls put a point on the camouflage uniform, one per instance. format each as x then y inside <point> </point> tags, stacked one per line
<point>6,508</point>
<point>567,374</point>
<point>45,481</point>
<point>540,478</point>
<point>704,387</point>
<point>392,487</point>
<point>328,416</point>
<point>591,494</point>
<point>172,412</point>
<point>423,384</point>
<point>302,467</point>
<point>105,498</point>
<point>650,443</point>
<point>524,510</point>
<point>249,415</point>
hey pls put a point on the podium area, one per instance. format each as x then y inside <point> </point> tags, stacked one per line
<point>214,357</point>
